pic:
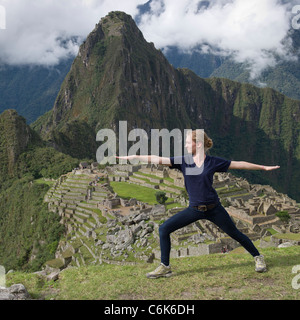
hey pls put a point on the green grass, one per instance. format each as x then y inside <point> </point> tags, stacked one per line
<point>210,277</point>
<point>288,236</point>
<point>102,219</point>
<point>129,191</point>
<point>272,231</point>
<point>50,183</point>
<point>147,175</point>
<point>147,195</point>
<point>172,205</point>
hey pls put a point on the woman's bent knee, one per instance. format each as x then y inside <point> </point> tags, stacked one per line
<point>163,230</point>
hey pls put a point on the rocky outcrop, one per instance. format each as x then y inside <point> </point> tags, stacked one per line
<point>15,136</point>
<point>15,292</point>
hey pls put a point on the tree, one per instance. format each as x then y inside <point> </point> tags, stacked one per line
<point>283,216</point>
<point>161,197</point>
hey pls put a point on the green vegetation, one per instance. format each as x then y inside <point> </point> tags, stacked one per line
<point>161,197</point>
<point>288,236</point>
<point>102,219</point>
<point>48,182</point>
<point>272,231</point>
<point>173,205</point>
<point>216,276</point>
<point>70,135</point>
<point>144,194</point>
<point>45,162</point>
<point>29,233</point>
<point>283,216</point>
<point>129,191</point>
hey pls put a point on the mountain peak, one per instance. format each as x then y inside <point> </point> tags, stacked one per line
<point>117,74</point>
<point>14,130</point>
<point>15,136</point>
<point>120,24</point>
<point>116,22</point>
<point>116,25</point>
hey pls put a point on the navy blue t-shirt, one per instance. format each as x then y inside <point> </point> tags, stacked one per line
<point>198,181</point>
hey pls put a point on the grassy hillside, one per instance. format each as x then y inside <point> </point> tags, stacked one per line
<point>29,233</point>
<point>210,277</point>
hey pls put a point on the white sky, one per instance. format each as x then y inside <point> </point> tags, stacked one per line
<point>247,29</point>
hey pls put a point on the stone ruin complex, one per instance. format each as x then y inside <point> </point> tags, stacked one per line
<point>103,227</point>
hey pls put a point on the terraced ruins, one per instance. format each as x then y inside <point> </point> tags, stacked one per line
<point>103,225</point>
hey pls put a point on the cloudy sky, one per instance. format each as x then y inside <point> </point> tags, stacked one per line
<point>39,31</point>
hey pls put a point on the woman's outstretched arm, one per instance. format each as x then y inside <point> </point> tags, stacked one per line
<point>148,159</point>
<point>250,166</point>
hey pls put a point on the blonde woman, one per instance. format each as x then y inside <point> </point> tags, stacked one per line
<point>203,199</point>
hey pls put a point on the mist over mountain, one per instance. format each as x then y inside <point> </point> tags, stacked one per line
<point>250,42</point>
<point>283,77</point>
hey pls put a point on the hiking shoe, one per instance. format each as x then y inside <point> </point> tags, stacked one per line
<point>260,265</point>
<point>160,271</point>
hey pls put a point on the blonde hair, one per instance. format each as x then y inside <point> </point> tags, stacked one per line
<point>197,135</point>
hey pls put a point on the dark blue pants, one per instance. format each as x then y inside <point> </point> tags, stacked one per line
<point>218,216</point>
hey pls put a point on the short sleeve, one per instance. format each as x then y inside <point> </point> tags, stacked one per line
<point>221,165</point>
<point>176,163</point>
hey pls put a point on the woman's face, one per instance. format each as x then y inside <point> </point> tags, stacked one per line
<point>190,145</point>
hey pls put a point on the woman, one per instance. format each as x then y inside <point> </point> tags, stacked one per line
<point>204,202</point>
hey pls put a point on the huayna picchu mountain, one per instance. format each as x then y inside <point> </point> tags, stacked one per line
<point>118,75</point>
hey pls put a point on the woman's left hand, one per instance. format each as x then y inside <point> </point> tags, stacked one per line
<point>270,168</point>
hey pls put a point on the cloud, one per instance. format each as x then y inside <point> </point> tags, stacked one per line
<point>253,32</point>
<point>46,31</point>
